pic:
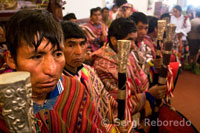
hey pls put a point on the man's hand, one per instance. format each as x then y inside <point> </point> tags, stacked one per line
<point>158,91</point>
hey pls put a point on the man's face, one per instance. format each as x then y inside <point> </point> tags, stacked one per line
<point>141,30</point>
<point>96,17</point>
<point>45,65</point>
<point>105,14</point>
<point>176,13</point>
<point>73,20</point>
<point>74,51</point>
<point>127,11</point>
<point>132,37</point>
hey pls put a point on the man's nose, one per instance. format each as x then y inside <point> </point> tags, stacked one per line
<point>49,66</point>
<point>78,49</point>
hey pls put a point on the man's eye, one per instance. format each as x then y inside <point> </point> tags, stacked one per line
<point>36,57</point>
<point>70,45</point>
<point>82,43</point>
<point>58,54</point>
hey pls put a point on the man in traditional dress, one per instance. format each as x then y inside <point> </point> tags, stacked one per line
<point>60,103</point>
<point>95,30</point>
<point>138,94</point>
<point>75,49</point>
<point>141,22</point>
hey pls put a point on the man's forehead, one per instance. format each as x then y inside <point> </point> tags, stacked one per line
<point>142,24</point>
<point>44,44</point>
<point>96,13</point>
<point>75,40</point>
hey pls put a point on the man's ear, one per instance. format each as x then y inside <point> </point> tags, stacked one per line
<point>10,60</point>
<point>113,40</point>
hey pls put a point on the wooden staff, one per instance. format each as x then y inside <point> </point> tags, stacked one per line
<point>123,54</point>
<point>16,101</point>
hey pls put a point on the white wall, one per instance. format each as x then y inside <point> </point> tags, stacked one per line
<point>139,5</point>
<point>82,7</point>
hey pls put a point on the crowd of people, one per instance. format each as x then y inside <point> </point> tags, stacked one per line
<point>74,67</point>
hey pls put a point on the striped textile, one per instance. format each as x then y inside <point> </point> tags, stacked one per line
<point>151,44</point>
<point>105,64</point>
<point>101,98</point>
<point>72,112</point>
<point>105,104</point>
<point>93,33</point>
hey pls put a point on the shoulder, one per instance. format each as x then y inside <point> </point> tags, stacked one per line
<point>71,84</point>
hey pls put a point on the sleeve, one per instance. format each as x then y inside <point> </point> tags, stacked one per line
<point>106,77</point>
<point>187,26</point>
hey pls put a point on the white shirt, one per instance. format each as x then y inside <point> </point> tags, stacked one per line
<point>179,22</point>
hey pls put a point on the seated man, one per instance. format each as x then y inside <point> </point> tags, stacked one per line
<point>61,104</point>
<point>75,49</point>
<point>95,30</point>
<point>141,22</point>
<point>106,65</point>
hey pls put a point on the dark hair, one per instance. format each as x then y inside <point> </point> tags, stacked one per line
<point>72,30</point>
<point>153,23</point>
<point>69,16</point>
<point>120,2</point>
<point>120,28</point>
<point>178,8</point>
<point>114,6</point>
<point>94,10</point>
<point>165,15</point>
<point>28,24</point>
<point>105,8</point>
<point>139,17</point>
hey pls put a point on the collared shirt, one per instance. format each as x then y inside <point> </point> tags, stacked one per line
<point>182,25</point>
<point>51,98</point>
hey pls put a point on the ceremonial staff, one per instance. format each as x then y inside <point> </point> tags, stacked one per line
<point>161,30</point>
<point>16,101</point>
<point>162,79</point>
<point>123,47</point>
<point>167,51</point>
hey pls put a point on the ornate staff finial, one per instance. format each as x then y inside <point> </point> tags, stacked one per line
<point>123,52</point>
<point>16,101</point>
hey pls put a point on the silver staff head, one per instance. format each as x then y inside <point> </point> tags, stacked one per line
<point>161,29</point>
<point>170,32</point>
<point>123,47</point>
<point>16,101</point>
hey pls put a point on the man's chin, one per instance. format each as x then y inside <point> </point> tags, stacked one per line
<point>44,90</point>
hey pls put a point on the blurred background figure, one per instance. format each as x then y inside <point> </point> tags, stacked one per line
<point>125,10</point>
<point>191,12</point>
<point>113,12</point>
<point>95,30</point>
<point>105,16</point>
<point>183,26</point>
<point>70,17</point>
<point>194,43</point>
<point>3,49</point>
<point>166,16</point>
